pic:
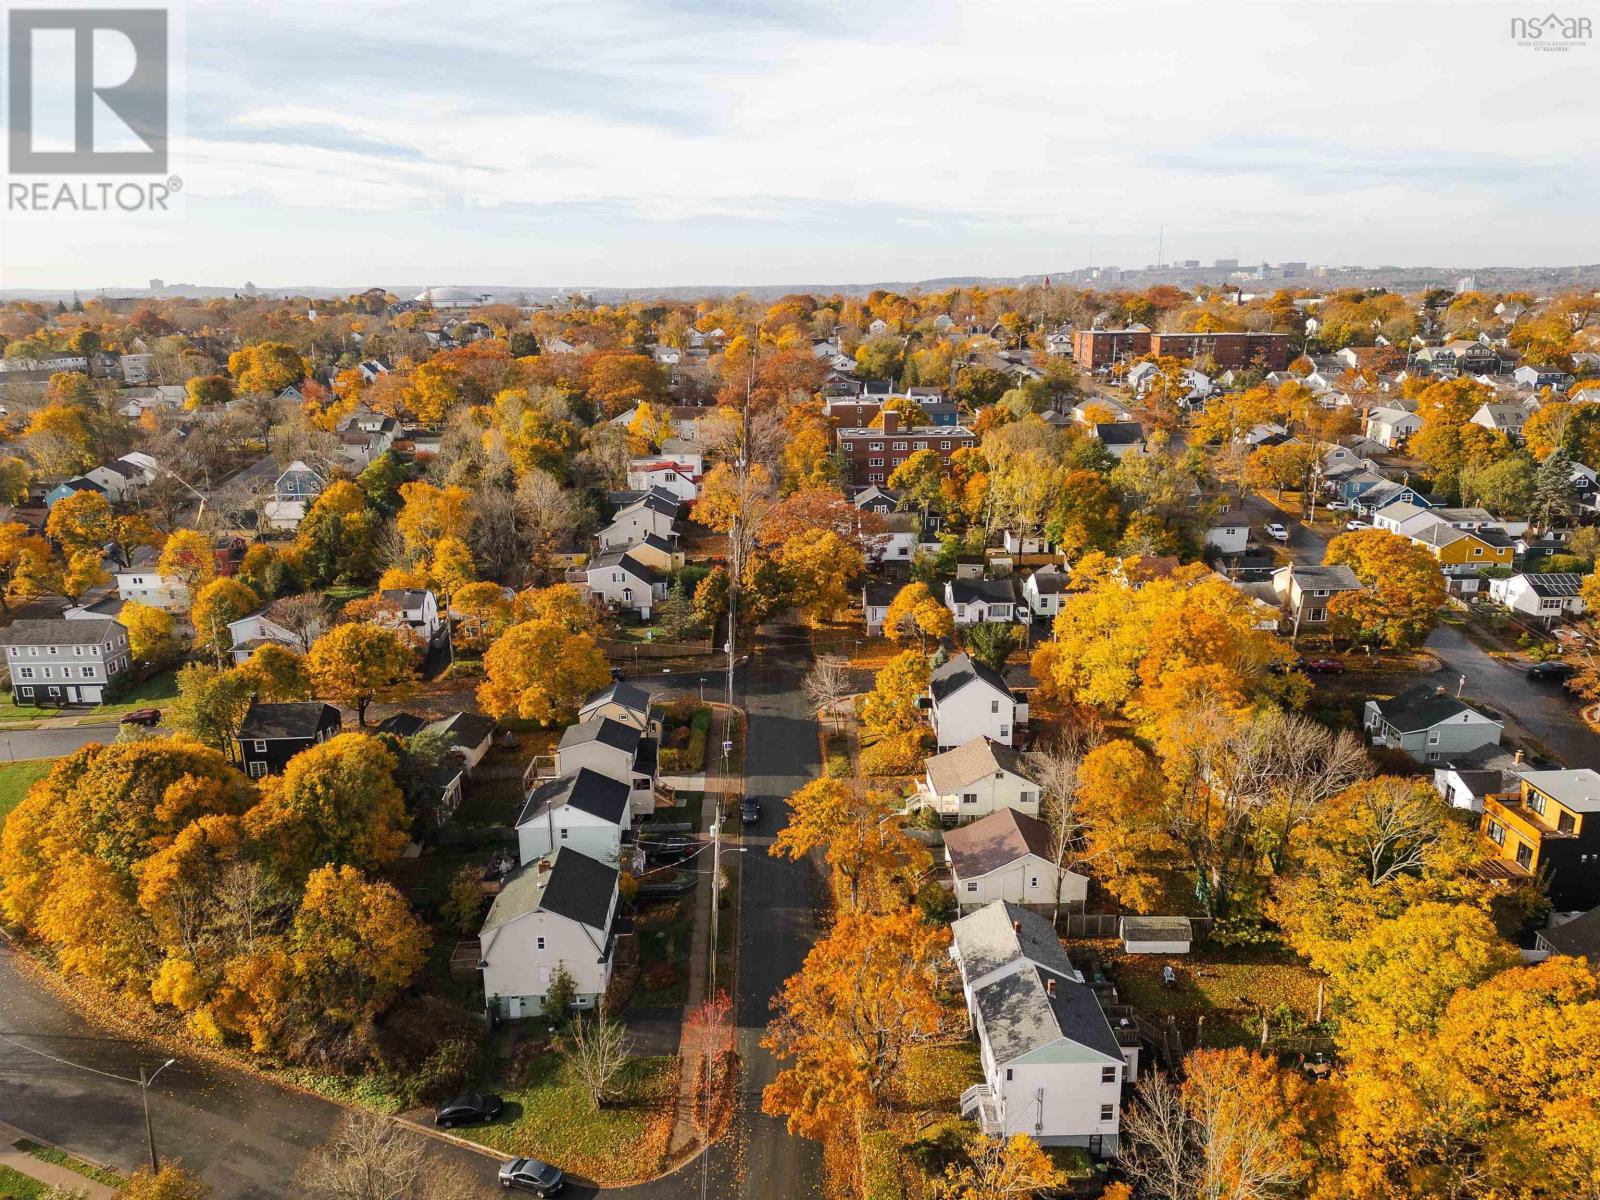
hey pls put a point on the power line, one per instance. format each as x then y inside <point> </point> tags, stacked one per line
<point>68,1063</point>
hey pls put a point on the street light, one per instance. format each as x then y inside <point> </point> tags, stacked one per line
<point>144,1094</point>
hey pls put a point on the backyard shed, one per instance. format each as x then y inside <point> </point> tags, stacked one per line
<point>1156,935</point>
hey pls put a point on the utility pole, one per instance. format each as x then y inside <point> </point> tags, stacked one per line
<point>144,1094</point>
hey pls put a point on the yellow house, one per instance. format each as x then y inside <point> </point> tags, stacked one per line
<point>1465,547</point>
<point>1550,826</point>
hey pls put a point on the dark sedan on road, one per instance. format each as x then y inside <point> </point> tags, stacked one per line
<point>468,1110</point>
<point>750,811</point>
<point>531,1175</point>
<point>1555,671</point>
<point>669,848</point>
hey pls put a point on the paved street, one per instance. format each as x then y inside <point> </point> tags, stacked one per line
<point>244,1135</point>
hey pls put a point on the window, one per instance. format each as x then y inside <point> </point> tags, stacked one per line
<point>921,446</point>
<point>994,706</point>
<point>27,693</point>
<point>972,887</point>
<point>1525,856</point>
<point>259,746</point>
<point>1009,1075</point>
<point>86,672</point>
<point>1108,1112</point>
<point>256,768</point>
<point>1433,737</point>
<point>874,445</point>
<point>899,446</point>
<point>969,797</point>
<point>1033,881</point>
<point>53,651</point>
<point>1477,552</point>
<point>1317,615</point>
<point>77,652</point>
<point>874,462</point>
<point>944,445</point>
<point>564,832</point>
<point>539,943</point>
<point>1497,833</point>
<point>1536,802</point>
<point>1108,1074</point>
<point>25,672</point>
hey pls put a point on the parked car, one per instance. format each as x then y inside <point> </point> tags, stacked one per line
<point>142,716</point>
<point>1326,666</point>
<point>750,811</point>
<point>1354,526</point>
<point>468,1110</point>
<point>531,1175</point>
<point>1280,668</point>
<point>1555,670</point>
<point>669,848</point>
<point>1339,506</point>
<point>1277,532</point>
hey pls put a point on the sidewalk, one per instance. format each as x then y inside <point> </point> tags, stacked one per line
<point>46,1173</point>
<point>728,788</point>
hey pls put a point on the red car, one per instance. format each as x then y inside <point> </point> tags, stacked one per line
<point>142,716</point>
<point>1326,666</point>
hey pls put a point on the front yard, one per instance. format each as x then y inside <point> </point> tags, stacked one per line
<point>550,1115</point>
<point>152,693</point>
<point>15,780</point>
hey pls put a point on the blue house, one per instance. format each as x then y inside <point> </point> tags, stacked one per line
<point>72,486</point>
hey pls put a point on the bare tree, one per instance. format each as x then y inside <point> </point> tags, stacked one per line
<point>597,1050</point>
<point>1054,766</point>
<point>826,684</point>
<point>369,1157</point>
<point>1400,820</point>
<point>546,514</point>
<point>1155,1149</point>
<point>305,616</point>
<point>1304,765</point>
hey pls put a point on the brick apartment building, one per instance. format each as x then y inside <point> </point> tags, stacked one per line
<point>871,455</point>
<point>1096,348</point>
<point>1226,351</point>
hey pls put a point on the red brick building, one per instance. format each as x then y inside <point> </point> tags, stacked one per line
<point>871,455</point>
<point>1226,351</point>
<point>1096,348</point>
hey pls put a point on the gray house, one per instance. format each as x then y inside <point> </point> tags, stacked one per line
<point>1429,724</point>
<point>65,662</point>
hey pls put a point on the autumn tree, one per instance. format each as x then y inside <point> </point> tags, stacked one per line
<point>892,723</point>
<point>277,673</point>
<point>217,605</point>
<point>541,670</point>
<point>356,663</point>
<point>210,704</point>
<point>336,802</point>
<point>170,1182</point>
<point>188,557</point>
<point>1119,809</point>
<point>338,539</point>
<point>428,514</point>
<point>150,632</point>
<point>820,569</point>
<point>916,612</point>
<point>597,1050</point>
<point>267,367</point>
<point>1402,589</point>
<point>84,521</point>
<point>865,995</point>
<point>354,944</point>
<point>863,839</point>
<point>993,1168</point>
<point>991,642</point>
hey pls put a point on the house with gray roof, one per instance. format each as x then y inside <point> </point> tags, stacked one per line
<point>1303,592</point>
<point>1053,1066</point>
<point>1007,856</point>
<point>1429,724</point>
<point>60,662</point>
<point>968,700</point>
<point>584,809</point>
<point>623,701</point>
<point>973,601</point>
<point>556,913</point>
<point>978,777</point>
<point>616,749</point>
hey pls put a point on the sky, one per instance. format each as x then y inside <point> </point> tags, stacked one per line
<point>715,142</point>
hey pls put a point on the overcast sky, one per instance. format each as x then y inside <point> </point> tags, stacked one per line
<point>604,142</point>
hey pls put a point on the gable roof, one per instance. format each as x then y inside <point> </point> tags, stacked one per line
<point>60,632</point>
<point>971,761</point>
<point>608,732</point>
<point>574,886</point>
<point>466,729</point>
<point>1555,583</point>
<point>295,719</point>
<point>1422,707</point>
<point>986,591</point>
<point>1334,578</point>
<point>621,559</point>
<point>1033,1008</point>
<point>995,841</point>
<point>1579,937</point>
<point>960,671</point>
<point>585,790</point>
<point>1002,932</point>
<point>627,695</point>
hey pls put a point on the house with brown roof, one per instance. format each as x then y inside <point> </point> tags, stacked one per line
<point>977,778</point>
<point>1007,856</point>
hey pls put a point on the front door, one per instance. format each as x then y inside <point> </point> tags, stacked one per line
<point>514,1007</point>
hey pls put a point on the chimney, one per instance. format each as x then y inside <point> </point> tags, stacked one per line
<point>544,865</point>
<point>1516,759</point>
<point>1050,987</point>
<point>1016,928</point>
<point>1439,691</point>
<point>891,421</point>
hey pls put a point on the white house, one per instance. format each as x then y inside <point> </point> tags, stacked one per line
<point>584,809</point>
<point>1548,596</point>
<point>1006,856</point>
<point>616,749</point>
<point>1043,592</point>
<point>266,625</point>
<point>553,914</point>
<point>655,512</point>
<point>1053,1067</point>
<point>1504,418</point>
<point>624,582</point>
<point>1392,427</point>
<point>974,601</point>
<point>975,779</point>
<point>119,479</point>
<point>1228,532</point>
<point>969,700</point>
<point>1121,438</point>
<point>654,474</point>
<point>898,543</point>
<point>149,586</point>
<point>875,601</point>
<point>293,493</point>
<point>418,608</point>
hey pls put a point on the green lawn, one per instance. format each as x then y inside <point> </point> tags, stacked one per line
<point>551,1116</point>
<point>935,1076</point>
<point>152,693</point>
<point>61,1158</point>
<point>16,1186</point>
<point>15,780</point>
<point>1230,988</point>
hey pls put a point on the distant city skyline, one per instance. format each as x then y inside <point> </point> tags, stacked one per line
<point>602,143</point>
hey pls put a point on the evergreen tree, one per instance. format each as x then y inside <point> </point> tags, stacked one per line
<point>1552,490</point>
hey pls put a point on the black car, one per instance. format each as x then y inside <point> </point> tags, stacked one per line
<point>750,811</point>
<point>1555,670</point>
<point>669,848</point>
<point>664,885</point>
<point>468,1109</point>
<point>531,1175</point>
